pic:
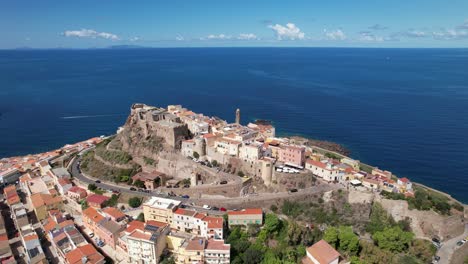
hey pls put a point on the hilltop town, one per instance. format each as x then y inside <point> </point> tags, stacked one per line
<point>175,186</point>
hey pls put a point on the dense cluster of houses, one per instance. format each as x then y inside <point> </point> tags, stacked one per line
<point>44,191</point>
<point>264,155</point>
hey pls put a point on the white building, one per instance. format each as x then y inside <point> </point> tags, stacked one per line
<point>146,246</point>
<point>197,223</point>
<point>228,146</point>
<point>321,253</point>
<point>250,152</point>
<point>187,148</point>
<point>324,170</point>
<point>217,252</point>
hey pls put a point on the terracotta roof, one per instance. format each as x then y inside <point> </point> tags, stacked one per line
<point>248,211</point>
<point>316,163</point>
<point>214,222</point>
<point>138,234</point>
<point>135,225</point>
<point>404,180</point>
<point>40,199</point>
<point>181,211</point>
<point>114,212</point>
<point>196,244</point>
<point>97,199</point>
<point>156,223</point>
<point>217,245</point>
<point>323,252</point>
<point>76,189</point>
<point>92,214</point>
<point>30,237</point>
<point>75,256</point>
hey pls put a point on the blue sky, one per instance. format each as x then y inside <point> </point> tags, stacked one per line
<point>191,23</point>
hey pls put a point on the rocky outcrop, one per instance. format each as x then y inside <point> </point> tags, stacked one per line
<point>327,145</point>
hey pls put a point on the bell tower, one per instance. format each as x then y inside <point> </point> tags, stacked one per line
<point>238,116</point>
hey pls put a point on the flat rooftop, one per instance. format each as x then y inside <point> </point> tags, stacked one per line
<point>162,203</point>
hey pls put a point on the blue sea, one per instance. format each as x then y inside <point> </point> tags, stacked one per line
<point>403,110</point>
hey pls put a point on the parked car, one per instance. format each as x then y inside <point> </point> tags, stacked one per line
<point>214,208</point>
<point>293,190</point>
<point>205,206</point>
<point>97,181</point>
<point>91,235</point>
<point>460,243</point>
<point>222,209</point>
<point>132,189</point>
<point>223,182</point>
<point>185,196</point>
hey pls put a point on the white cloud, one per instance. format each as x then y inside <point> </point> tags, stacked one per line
<point>90,33</point>
<point>335,34</point>
<point>217,37</point>
<point>464,25</point>
<point>179,37</point>
<point>449,34</point>
<point>134,39</point>
<point>414,34</point>
<point>247,36</point>
<point>369,37</point>
<point>288,32</point>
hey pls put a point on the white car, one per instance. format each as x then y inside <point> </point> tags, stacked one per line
<point>205,206</point>
<point>91,235</point>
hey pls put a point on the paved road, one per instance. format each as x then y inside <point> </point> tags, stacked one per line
<point>448,247</point>
<point>75,172</point>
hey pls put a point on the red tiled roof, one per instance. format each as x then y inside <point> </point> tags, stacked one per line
<point>92,214</point>
<point>316,163</point>
<point>114,212</point>
<point>135,225</point>
<point>323,252</point>
<point>214,222</point>
<point>75,256</point>
<point>247,211</point>
<point>97,199</point>
<point>404,180</point>
<point>76,189</point>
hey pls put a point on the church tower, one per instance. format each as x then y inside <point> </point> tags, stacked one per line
<point>238,116</point>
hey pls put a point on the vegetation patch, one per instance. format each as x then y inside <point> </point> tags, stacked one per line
<point>425,199</point>
<point>97,169</point>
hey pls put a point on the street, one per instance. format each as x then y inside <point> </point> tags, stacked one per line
<point>448,247</point>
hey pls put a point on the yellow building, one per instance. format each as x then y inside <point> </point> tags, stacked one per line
<point>160,209</point>
<point>42,203</point>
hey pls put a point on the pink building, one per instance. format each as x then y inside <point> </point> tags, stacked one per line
<point>292,155</point>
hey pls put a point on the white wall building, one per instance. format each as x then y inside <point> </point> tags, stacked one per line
<point>326,171</point>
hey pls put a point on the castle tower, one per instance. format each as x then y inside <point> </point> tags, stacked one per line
<point>238,116</point>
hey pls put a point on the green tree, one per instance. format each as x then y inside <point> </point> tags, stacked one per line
<point>92,187</point>
<point>393,239</point>
<point>84,204</point>
<point>168,260</point>
<point>422,249</point>
<point>138,183</point>
<point>240,174</point>
<point>294,233</point>
<point>141,217</point>
<point>379,219</point>
<point>355,260</point>
<point>274,208</point>
<point>134,202</point>
<point>214,163</point>
<point>272,224</point>
<point>253,229</point>
<point>370,254</point>
<point>196,155</point>
<point>348,240</point>
<point>271,258</point>
<point>252,256</point>
<point>331,236</point>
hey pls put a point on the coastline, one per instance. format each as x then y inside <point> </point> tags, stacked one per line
<point>300,138</point>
